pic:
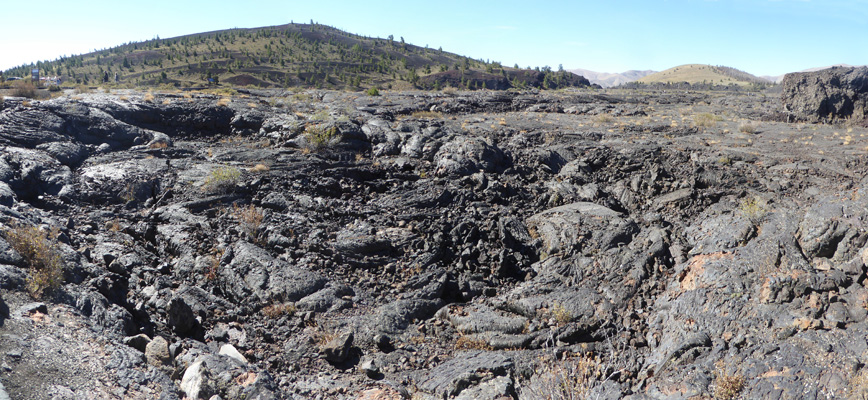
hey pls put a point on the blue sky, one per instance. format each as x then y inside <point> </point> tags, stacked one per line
<point>763,37</point>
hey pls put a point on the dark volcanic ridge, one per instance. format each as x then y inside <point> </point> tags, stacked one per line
<point>472,245</point>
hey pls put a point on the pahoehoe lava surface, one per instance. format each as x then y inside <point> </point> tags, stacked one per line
<point>432,245</point>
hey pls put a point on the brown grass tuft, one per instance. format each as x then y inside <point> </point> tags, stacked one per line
<point>747,127</point>
<point>275,311</point>
<point>427,114</point>
<point>39,250</point>
<point>571,378</point>
<point>259,168</point>
<point>22,89</point>
<point>706,120</point>
<point>465,342</point>
<point>726,386</point>
<point>250,221</point>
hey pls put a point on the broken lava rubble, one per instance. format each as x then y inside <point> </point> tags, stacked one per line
<point>476,245</point>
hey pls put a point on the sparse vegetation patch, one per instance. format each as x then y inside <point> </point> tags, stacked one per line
<point>706,120</point>
<point>222,180</point>
<point>41,254</point>
<point>318,137</point>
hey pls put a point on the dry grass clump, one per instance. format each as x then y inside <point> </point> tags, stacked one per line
<point>158,145</point>
<point>249,220</point>
<point>222,180</point>
<point>747,127</point>
<point>149,97</point>
<point>450,90</point>
<point>321,115</point>
<point>603,119</point>
<point>753,208</point>
<point>726,386</point>
<point>560,314</point>
<point>213,266</point>
<point>275,311</point>
<point>706,120</point>
<point>465,342</point>
<point>859,385</point>
<point>224,102</point>
<point>258,168</point>
<point>571,378</point>
<point>427,114</point>
<point>39,250</point>
<point>322,336</point>
<point>22,89</point>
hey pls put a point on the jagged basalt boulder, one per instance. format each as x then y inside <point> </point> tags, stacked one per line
<point>827,95</point>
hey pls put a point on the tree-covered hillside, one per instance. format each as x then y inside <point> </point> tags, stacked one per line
<point>292,55</point>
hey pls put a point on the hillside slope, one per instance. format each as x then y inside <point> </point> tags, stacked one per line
<point>703,74</point>
<point>306,55</point>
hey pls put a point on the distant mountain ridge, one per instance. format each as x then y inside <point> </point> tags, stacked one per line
<point>609,79</point>
<point>703,74</point>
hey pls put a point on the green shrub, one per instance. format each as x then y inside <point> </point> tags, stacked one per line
<point>40,252</point>
<point>320,115</point>
<point>319,137</point>
<point>373,91</point>
<point>222,180</point>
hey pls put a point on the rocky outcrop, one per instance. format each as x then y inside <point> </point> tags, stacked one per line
<point>827,95</point>
<point>468,245</point>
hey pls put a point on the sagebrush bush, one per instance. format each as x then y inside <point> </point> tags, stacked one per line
<point>39,250</point>
<point>747,127</point>
<point>22,89</point>
<point>753,208</point>
<point>319,137</point>
<point>222,180</point>
<point>604,119</point>
<point>373,91</point>
<point>706,120</point>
